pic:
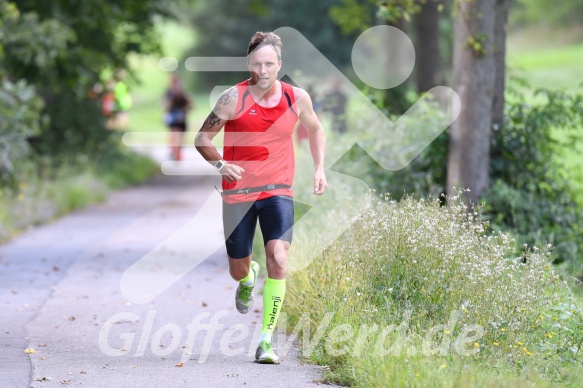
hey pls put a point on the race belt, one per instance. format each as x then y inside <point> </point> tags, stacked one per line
<point>255,189</point>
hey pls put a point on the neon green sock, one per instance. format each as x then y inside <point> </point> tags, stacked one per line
<point>273,295</point>
<point>249,279</point>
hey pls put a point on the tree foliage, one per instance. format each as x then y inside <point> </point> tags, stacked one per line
<point>225,28</point>
<point>62,48</point>
<point>353,15</point>
<point>557,13</point>
<point>20,112</point>
<point>422,20</point>
<point>101,35</point>
<point>20,106</point>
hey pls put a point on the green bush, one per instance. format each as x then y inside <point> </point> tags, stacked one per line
<point>20,113</point>
<point>530,193</point>
<point>76,126</point>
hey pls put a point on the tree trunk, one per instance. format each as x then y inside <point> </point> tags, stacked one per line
<point>500,60</point>
<point>428,62</point>
<point>395,49</point>
<point>473,80</point>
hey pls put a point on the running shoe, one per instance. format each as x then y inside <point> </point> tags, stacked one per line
<point>244,294</point>
<point>265,354</point>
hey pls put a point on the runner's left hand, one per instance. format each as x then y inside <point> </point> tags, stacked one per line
<point>320,183</point>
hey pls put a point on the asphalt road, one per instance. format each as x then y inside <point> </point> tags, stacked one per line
<point>64,295</point>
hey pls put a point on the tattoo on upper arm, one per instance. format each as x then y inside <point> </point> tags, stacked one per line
<point>233,92</point>
<point>227,96</point>
<point>211,121</point>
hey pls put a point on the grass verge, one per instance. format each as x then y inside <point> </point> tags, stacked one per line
<point>416,294</point>
<point>46,189</point>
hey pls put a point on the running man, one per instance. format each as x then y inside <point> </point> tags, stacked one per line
<point>257,165</point>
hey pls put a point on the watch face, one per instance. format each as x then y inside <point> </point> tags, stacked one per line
<point>219,165</point>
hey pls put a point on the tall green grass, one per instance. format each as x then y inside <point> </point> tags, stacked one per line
<point>424,295</point>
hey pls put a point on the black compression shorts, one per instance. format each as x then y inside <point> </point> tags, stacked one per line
<point>276,220</point>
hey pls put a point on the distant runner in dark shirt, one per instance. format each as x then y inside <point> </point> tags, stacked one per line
<point>177,106</point>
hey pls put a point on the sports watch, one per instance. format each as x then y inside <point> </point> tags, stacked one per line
<point>220,164</point>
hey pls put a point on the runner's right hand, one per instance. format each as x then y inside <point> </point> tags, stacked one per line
<point>232,172</point>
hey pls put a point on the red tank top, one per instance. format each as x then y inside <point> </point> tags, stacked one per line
<point>259,139</point>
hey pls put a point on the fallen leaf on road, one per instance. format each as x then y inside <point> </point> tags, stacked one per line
<point>233,375</point>
<point>204,304</point>
<point>45,379</point>
<point>29,351</point>
<point>72,318</point>
<point>180,365</point>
